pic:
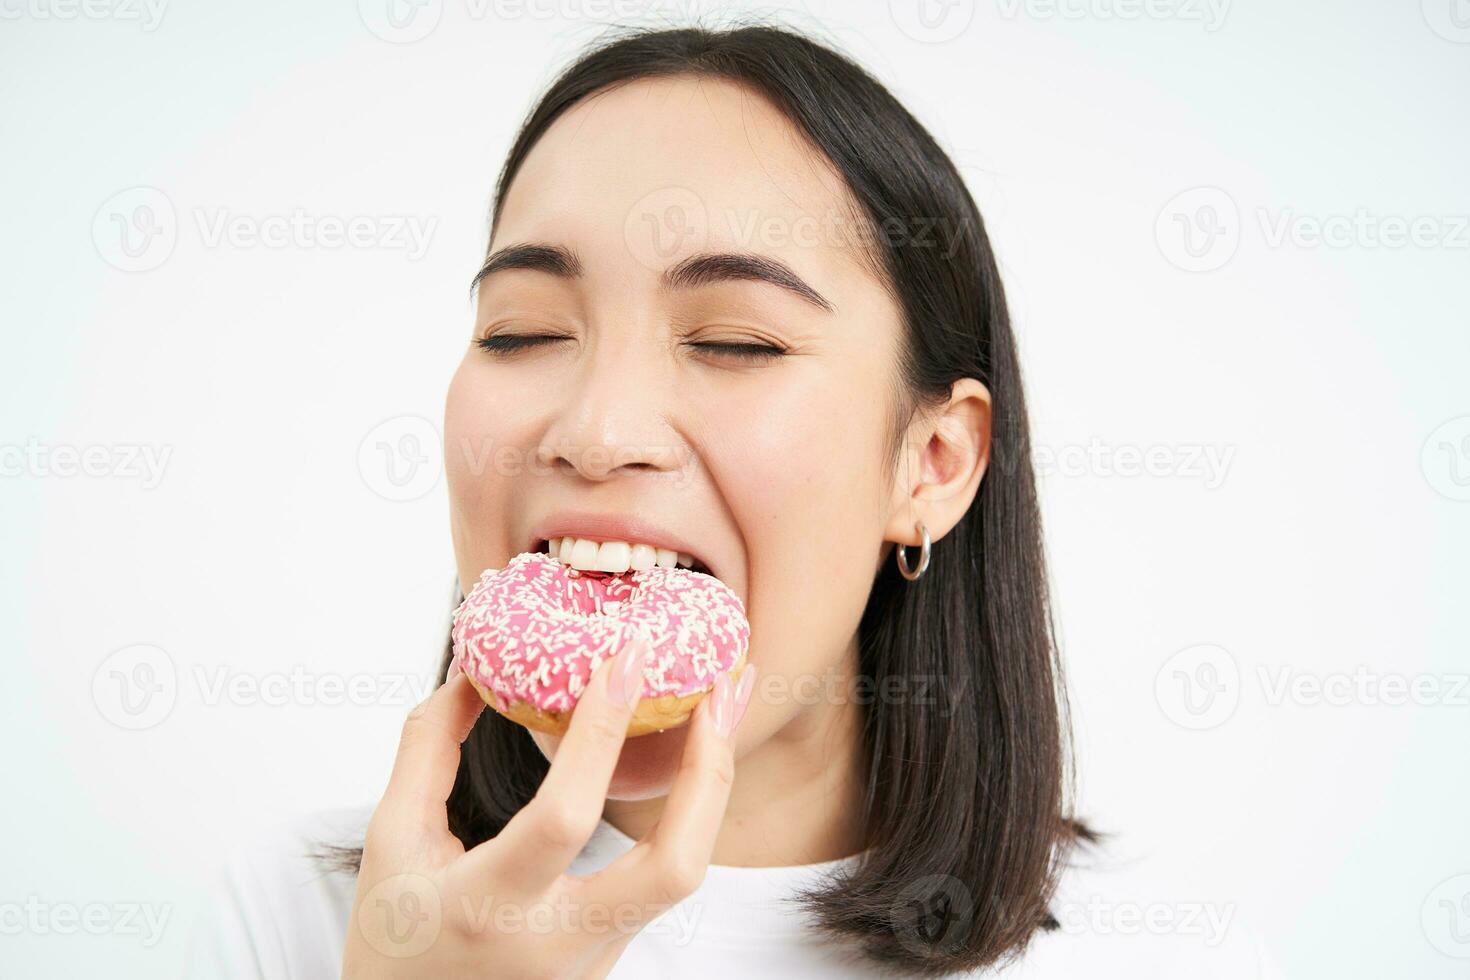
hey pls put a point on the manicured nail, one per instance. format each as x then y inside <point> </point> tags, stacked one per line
<point>743,692</point>
<point>454,668</point>
<point>625,686</point>
<point>722,705</point>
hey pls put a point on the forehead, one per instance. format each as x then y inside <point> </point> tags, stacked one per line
<point>640,175</point>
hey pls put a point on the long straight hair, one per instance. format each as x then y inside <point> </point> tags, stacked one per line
<point>963,806</point>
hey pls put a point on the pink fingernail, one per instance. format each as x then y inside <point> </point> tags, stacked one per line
<point>625,686</point>
<point>743,693</point>
<point>722,706</point>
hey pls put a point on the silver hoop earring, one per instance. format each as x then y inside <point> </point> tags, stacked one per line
<point>903,562</point>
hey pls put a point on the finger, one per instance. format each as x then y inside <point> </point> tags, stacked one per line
<point>670,863</point>
<point>428,753</point>
<point>540,841</point>
<point>695,809</point>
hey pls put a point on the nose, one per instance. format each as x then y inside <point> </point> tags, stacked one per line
<point>611,416</point>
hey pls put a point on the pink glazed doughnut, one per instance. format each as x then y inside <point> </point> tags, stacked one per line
<point>529,636</point>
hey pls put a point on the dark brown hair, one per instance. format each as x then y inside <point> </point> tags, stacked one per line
<point>964,803</point>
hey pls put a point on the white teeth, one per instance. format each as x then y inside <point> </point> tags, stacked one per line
<point>642,558</point>
<point>583,555</point>
<point>614,556</point>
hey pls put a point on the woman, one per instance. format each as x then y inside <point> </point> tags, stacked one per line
<point>736,302</point>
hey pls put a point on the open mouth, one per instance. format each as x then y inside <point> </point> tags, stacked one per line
<point>615,557</point>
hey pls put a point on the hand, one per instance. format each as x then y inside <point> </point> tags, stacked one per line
<point>425,907</point>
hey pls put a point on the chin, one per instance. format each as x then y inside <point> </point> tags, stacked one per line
<point>646,768</point>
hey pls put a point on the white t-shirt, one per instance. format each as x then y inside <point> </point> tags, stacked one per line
<point>276,915</point>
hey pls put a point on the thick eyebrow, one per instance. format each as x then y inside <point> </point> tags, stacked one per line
<point>696,270</point>
<point>553,259</point>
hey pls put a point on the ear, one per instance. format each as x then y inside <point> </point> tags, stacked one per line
<point>945,454</point>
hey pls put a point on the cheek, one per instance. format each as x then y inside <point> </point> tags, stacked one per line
<point>796,454</point>
<point>802,475</point>
<point>480,458</point>
<point>801,470</point>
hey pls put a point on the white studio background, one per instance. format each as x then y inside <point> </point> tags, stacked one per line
<point>1234,235</point>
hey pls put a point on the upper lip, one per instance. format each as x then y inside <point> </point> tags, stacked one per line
<point>615,527</point>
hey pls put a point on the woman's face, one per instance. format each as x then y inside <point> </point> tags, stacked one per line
<point>770,469</point>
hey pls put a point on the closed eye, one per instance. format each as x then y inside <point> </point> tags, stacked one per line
<point>744,350</point>
<point>508,343</point>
